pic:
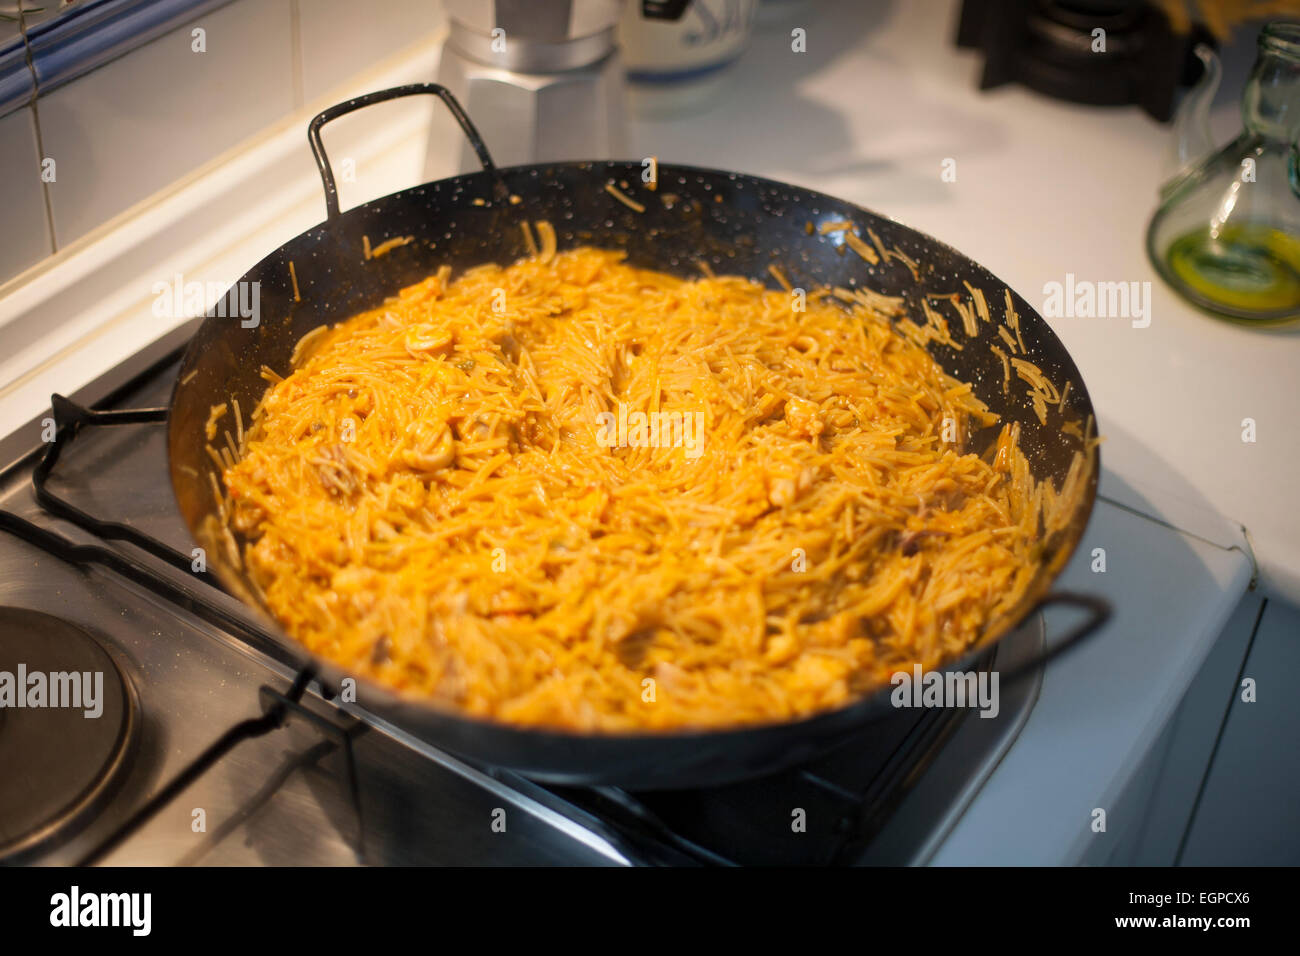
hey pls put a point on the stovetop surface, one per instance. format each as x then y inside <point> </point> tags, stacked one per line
<point>340,787</point>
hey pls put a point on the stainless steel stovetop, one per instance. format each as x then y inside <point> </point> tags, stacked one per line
<point>333,785</point>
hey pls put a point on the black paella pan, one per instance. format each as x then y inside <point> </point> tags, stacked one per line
<point>738,224</point>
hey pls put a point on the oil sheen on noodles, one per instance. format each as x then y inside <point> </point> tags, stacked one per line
<point>451,494</point>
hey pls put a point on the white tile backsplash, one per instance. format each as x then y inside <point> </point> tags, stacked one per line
<point>136,125</point>
<point>24,227</point>
<point>340,38</point>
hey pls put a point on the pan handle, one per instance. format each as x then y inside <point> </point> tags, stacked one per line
<point>1099,612</point>
<point>379,96</point>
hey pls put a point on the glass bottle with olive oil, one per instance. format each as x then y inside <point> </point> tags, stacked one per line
<point>1227,233</point>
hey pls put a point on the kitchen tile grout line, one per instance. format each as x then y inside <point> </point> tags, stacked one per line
<point>36,126</point>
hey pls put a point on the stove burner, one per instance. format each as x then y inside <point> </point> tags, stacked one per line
<point>1099,52</point>
<point>57,765</point>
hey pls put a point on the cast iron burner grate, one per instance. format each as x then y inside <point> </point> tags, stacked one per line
<point>1098,52</point>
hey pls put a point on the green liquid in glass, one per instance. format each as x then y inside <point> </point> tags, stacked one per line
<point>1248,268</point>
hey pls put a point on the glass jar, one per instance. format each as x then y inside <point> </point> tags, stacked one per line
<point>1227,233</point>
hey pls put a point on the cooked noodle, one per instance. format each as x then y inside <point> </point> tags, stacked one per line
<point>427,499</point>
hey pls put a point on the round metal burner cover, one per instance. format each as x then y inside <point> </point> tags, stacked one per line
<point>57,764</point>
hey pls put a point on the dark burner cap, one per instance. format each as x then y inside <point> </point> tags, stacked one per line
<point>57,766</point>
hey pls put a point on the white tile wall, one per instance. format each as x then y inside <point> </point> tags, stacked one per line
<point>24,227</point>
<point>340,38</point>
<point>136,125</point>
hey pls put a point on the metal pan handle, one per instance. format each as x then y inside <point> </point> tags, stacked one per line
<point>1099,612</point>
<point>379,96</point>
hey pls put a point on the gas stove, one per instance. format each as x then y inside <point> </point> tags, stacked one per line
<point>211,748</point>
